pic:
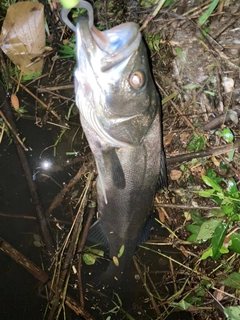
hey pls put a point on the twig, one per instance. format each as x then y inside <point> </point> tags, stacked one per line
<point>60,196</point>
<point>152,15</point>
<point>183,207</point>
<point>204,153</point>
<point>176,108</point>
<point>81,245</point>
<point>14,133</point>
<point>44,225</point>
<point>151,297</point>
<point>218,121</point>
<point>36,98</point>
<point>20,216</point>
<point>47,89</point>
<point>61,280</point>
<point>23,261</point>
<point>39,274</point>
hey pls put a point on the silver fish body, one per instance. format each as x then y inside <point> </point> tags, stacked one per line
<point>120,115</point>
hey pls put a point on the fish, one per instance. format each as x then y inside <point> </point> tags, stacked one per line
<point>120,113</point>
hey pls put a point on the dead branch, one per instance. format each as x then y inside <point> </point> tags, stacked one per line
<point>60,196</point>
<point>43,221</point>
<point>60,281</point>
<point>220,120</point>
<point>204,153</point>
<point>39,274</point>
<point>23,261</point>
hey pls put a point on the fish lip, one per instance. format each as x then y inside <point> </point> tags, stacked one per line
<point>116,44</point>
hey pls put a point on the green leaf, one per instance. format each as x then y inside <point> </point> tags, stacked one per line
<point>206,193</point>
<point>211,183</point>
<point>120,253</point>
<point>232,189</point>
<point>182,305</point>
<point>194,229</point>
<point>197,142</point>
<point>218,238</point>
<point>223,250</point>
<point>192,299</point>
<point>179,53</point>
<point>233,280</point>
<point>210,93</point>
<point>207,229</point>
<point>235,242</point>
<point>200,291</point>
<point>227,209</point>
<point>37,244</point>
<point>191,86</point>
<point>192,238</point>
<point>206,254</point>
<point>230,156</point>
<point>208,12</point>
<point>168,2</point>
<point>227,135</point>
<point>232,313</point>
<point>235,217</point>
<point>148,3</point>
<point>32,76</point>
<point>89,259</point>
<point>196,217</point>
<point>212,174</point>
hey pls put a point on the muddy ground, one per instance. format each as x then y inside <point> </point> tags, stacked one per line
<point>196,70</point>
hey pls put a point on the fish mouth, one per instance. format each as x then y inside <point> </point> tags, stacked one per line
<point>119,43</point>
<point>116,44</point>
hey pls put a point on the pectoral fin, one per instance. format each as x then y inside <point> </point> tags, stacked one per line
<point>112,163</point>
<point>162,180</point>
<point>149,224</point>
<point>96,234</point>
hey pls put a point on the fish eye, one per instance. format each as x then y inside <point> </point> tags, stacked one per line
<point>137,80</point>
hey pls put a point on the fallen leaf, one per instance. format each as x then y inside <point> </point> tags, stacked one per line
<point>23,35</point>
<point>183,250</point>
<point>161,215</point>
<point>219,295</point>
<point>115,261</point>
<point>215,161</point>
<point>175,174</point>
<point>14,101</point>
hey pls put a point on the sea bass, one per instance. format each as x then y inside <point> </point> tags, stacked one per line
<point>120,115</point>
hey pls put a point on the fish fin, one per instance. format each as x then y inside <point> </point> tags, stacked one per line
<point>111,160</point>
<point>146,229</point>
<point>96,234</point>
<point>101,181</point>
<point>162,180</point>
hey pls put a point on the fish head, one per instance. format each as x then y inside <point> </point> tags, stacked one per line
<point>113,82</point>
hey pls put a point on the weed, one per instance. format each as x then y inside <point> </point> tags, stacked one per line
<point>197,143</point>
<point>218,228</point>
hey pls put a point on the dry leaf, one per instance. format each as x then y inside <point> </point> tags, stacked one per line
<point>115,261</point>
<point>219,295</point>
<point>161,215</point>
<point>184,252</point>
<point>14,101</point>
<point>168,139</point>
<point>215,161</point>
<point>23,35</point>
<point>175,174</point>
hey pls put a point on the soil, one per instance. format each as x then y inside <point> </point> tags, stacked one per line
<point>197,72</point>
